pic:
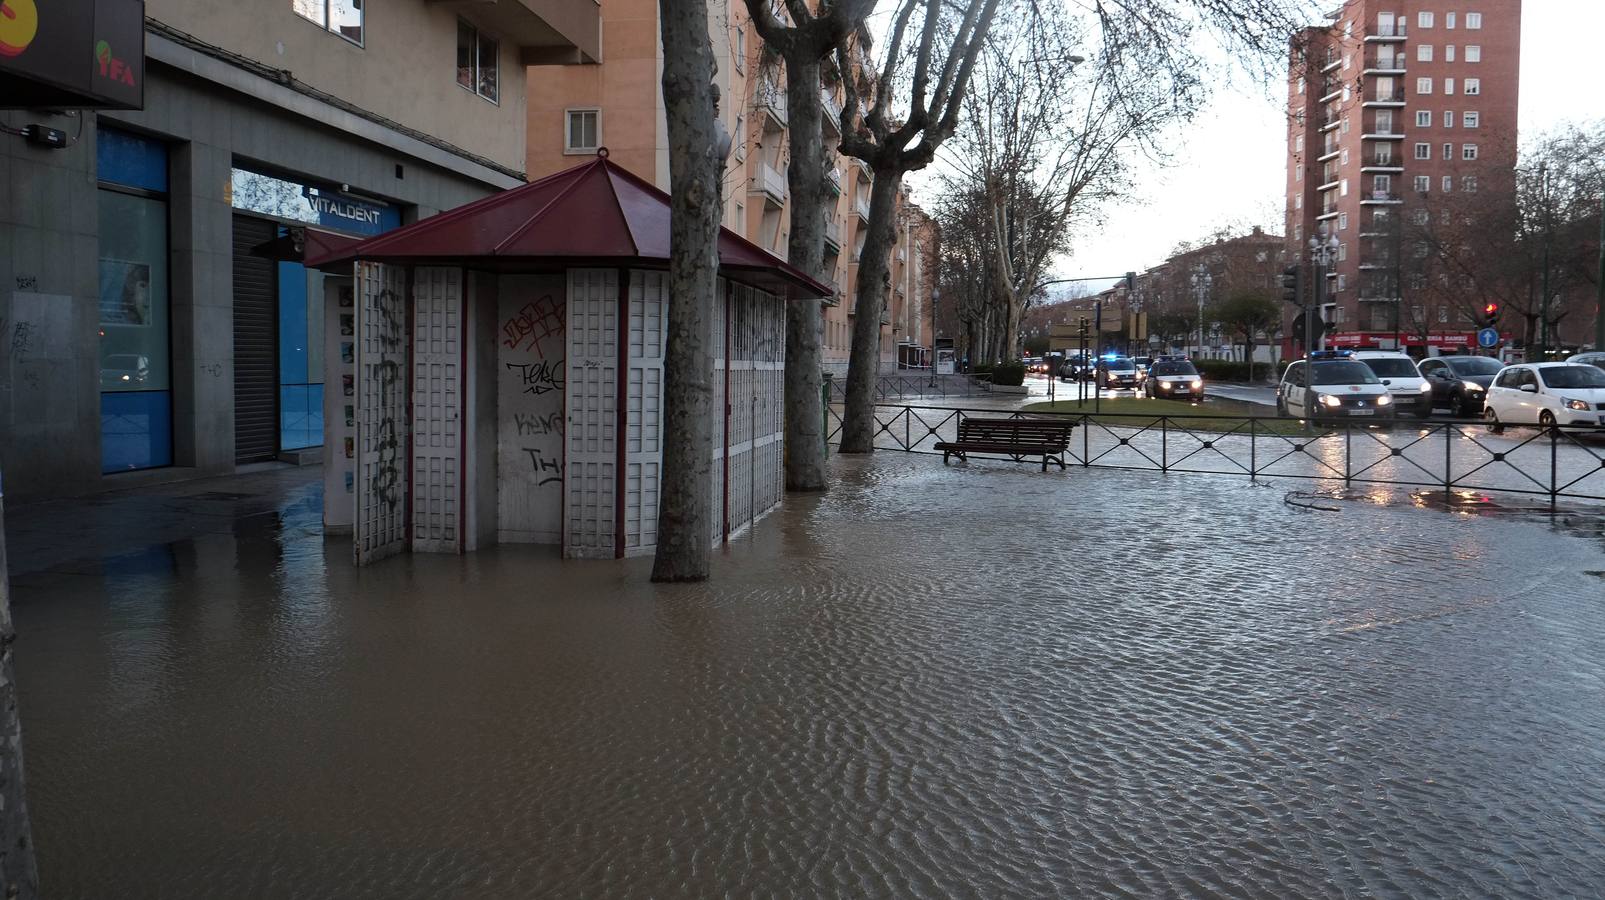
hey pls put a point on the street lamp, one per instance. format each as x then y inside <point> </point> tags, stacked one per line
<point>936,296</point>
<point>1202,281</point>
<point>1543,301</point>
<point>1323,253</point>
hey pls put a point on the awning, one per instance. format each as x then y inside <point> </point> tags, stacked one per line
<point>594,215</point>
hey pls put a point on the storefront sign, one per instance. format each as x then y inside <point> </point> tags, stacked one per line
<point>347,213</point>
<point>72,54</point>
<point>299,202</point>
<point>1442,339</point>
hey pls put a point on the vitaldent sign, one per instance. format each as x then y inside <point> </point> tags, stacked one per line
<point>74,54</point>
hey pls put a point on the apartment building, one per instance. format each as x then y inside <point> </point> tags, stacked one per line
<point>1399,111</point>
<point>1179,292</point>
<point>162,326</point>
<point>618,104</point>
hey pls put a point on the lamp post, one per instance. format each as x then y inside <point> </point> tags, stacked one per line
<point>936,296</point>
<point>1202,281</point>
<point>1543,300</point>
<point>1323,252</point>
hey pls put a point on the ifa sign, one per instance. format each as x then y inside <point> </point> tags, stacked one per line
<point>72,54</point>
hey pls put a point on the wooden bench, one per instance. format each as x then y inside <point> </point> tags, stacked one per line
<point>1013,438</point>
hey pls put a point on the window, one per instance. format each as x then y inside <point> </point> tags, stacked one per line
<point>1343,157</point>
<point>1448,86</point>
<point>1343,221</point>
<point>1473,53</point>
<point>1473,20</point>
<point>1473,86</point>
<point>1448,118</point>
<point>1298,173</point>
<point>1344,128</point>
<point>1423,85</point>
<point>1423,118</point>
<point>1424,20</point>
<point>1423,53</point>
<point>1470,119</point>
<point>1448,151</point>
<point>1301,85</point>
<point>1443,313</point>
<point>740,61</point>
<point>342,17</point>
<point>1423,151</point>
<point>1384,121</point>
<point>1298,233</point>
<point>1420,217</point>
<point>1468,151</point>
<point>1448,184</point>
<point>584,131</point>
<point>1448,52</point>
<point>1423,184</point>
<point>136,400</point>
<point>1448,20</point>
<point>1342,284</point>
<point>1298,201</point>
<point>1343,188</point>
<point>1298,144</point>
<point>476,62</point>
<point>1468,183</point>
<point>1382,184</point>
<point>1343,252</point>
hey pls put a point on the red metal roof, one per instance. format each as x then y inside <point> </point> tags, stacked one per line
<point>596,214</point>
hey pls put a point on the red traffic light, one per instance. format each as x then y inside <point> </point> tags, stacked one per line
<point>1491,309</point>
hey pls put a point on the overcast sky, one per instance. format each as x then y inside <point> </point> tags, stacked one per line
<point>1229,165</point>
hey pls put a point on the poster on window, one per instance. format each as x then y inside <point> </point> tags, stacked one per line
<point>124,292</point>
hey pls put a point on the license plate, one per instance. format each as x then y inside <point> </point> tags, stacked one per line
<point>1361,412</point>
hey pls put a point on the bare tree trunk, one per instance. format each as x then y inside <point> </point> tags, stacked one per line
<point>690,100</point>
<point>805,444</point>
<point>19,873</point>
<point>863,363</point>
<point>1011,326</point>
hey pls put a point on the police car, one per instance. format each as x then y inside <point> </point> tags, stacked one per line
<point>1411,392</point>
<point>1338,387</point>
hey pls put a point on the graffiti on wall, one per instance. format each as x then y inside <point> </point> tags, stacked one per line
<point>532,344</point>
<point>528,329</point>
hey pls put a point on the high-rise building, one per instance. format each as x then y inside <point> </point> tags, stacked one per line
<point>1401,114</point>
<point>618,104</point>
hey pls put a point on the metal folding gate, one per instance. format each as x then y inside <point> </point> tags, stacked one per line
<point>643,440</point>
<point>380,529</point>
<point>437,356</point>
<point>754,323</point>
<point>591,397</point>
<point>256,348</point>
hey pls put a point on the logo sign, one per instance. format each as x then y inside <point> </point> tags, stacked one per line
<point>72,54</point>
<point>1487,337</point>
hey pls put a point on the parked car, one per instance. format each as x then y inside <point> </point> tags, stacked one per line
<point>1592,358</point>
<point>1411,392</point>
<point>1338,388</point>
<point>1174,378</point>
<point>1072,368</point>
<point>1557,393</point>
<point>1118,372</point>
<point>1460,383</point>
<point>1143,364</point>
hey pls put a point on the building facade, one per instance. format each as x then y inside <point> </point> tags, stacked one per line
<point>618,104</point>
<point>1400,112</point>
<point>158,322</point>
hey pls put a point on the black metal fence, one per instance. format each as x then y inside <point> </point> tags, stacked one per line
<point>893,388</point>
<point>1461,455</point>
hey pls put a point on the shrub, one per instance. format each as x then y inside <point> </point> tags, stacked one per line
<point>1229,370</point>
<point>1009,374</point>
<point>981,369</point>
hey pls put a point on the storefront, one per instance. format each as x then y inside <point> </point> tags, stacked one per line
<point>1434,343</point>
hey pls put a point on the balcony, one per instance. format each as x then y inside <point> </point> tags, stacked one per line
<point>1329,185</point>
<point>861,208</point>
<point>1391,134</point>
<point>769,182</point>
<point>1387,33</point>
<point>1330,89</point>
<point>546,32</point>
<point>1330,122</point>
<point>1384,65</point>
<point>1331,60</point>
<point>833,235</point>
<point>833,179</point>
<point>832,111</point>
<point>1372,198</point>
<point>769,100</point>
<point>1329,151</point>
<point>1375,97</point>
<point>837,295</point>
<point>1382,163</point>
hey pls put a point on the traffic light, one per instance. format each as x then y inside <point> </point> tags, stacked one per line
<point>1293,285</point>
<point>1131,282</point>
<point>1490,315</point>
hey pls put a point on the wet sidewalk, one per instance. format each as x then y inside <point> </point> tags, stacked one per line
<point>972,680</point>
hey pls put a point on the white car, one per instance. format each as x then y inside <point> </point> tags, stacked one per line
<point>1411,392</point>
<point>1342,388</point>
<point>1592,358</point>
<point>1556,393</point>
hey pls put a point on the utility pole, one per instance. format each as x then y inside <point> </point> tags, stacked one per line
<point>1599,284</point>
<point>1543,300</point>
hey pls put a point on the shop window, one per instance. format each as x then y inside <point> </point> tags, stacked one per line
<point>136,400</point>
<point>342,17</point>
<point>584,131</point>
<point>477,62</point>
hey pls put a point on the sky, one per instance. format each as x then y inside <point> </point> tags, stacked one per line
<point>1228,167</point>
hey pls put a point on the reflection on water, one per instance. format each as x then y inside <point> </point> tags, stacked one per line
<point>973,680</point>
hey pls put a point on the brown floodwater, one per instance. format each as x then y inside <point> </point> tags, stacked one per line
<point>967,681</point>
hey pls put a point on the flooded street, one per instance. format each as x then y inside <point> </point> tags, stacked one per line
<point>964,681</point>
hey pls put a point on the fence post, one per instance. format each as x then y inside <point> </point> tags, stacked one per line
<point>1448,467</point>
<point>1554,441</point>
<point>1348,453</point>
<point>1253,447</point>
<point>1086,452</point>
<point>824,410</point>
<point>1164,443</point>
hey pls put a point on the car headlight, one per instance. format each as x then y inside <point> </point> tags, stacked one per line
<point>1384,400</point>
<point>1330,400</point>
<point>1578,405</point>
<point>1425,388</point>
<point>1471,385</point>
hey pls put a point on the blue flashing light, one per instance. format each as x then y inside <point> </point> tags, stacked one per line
<point>1332,354</point>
